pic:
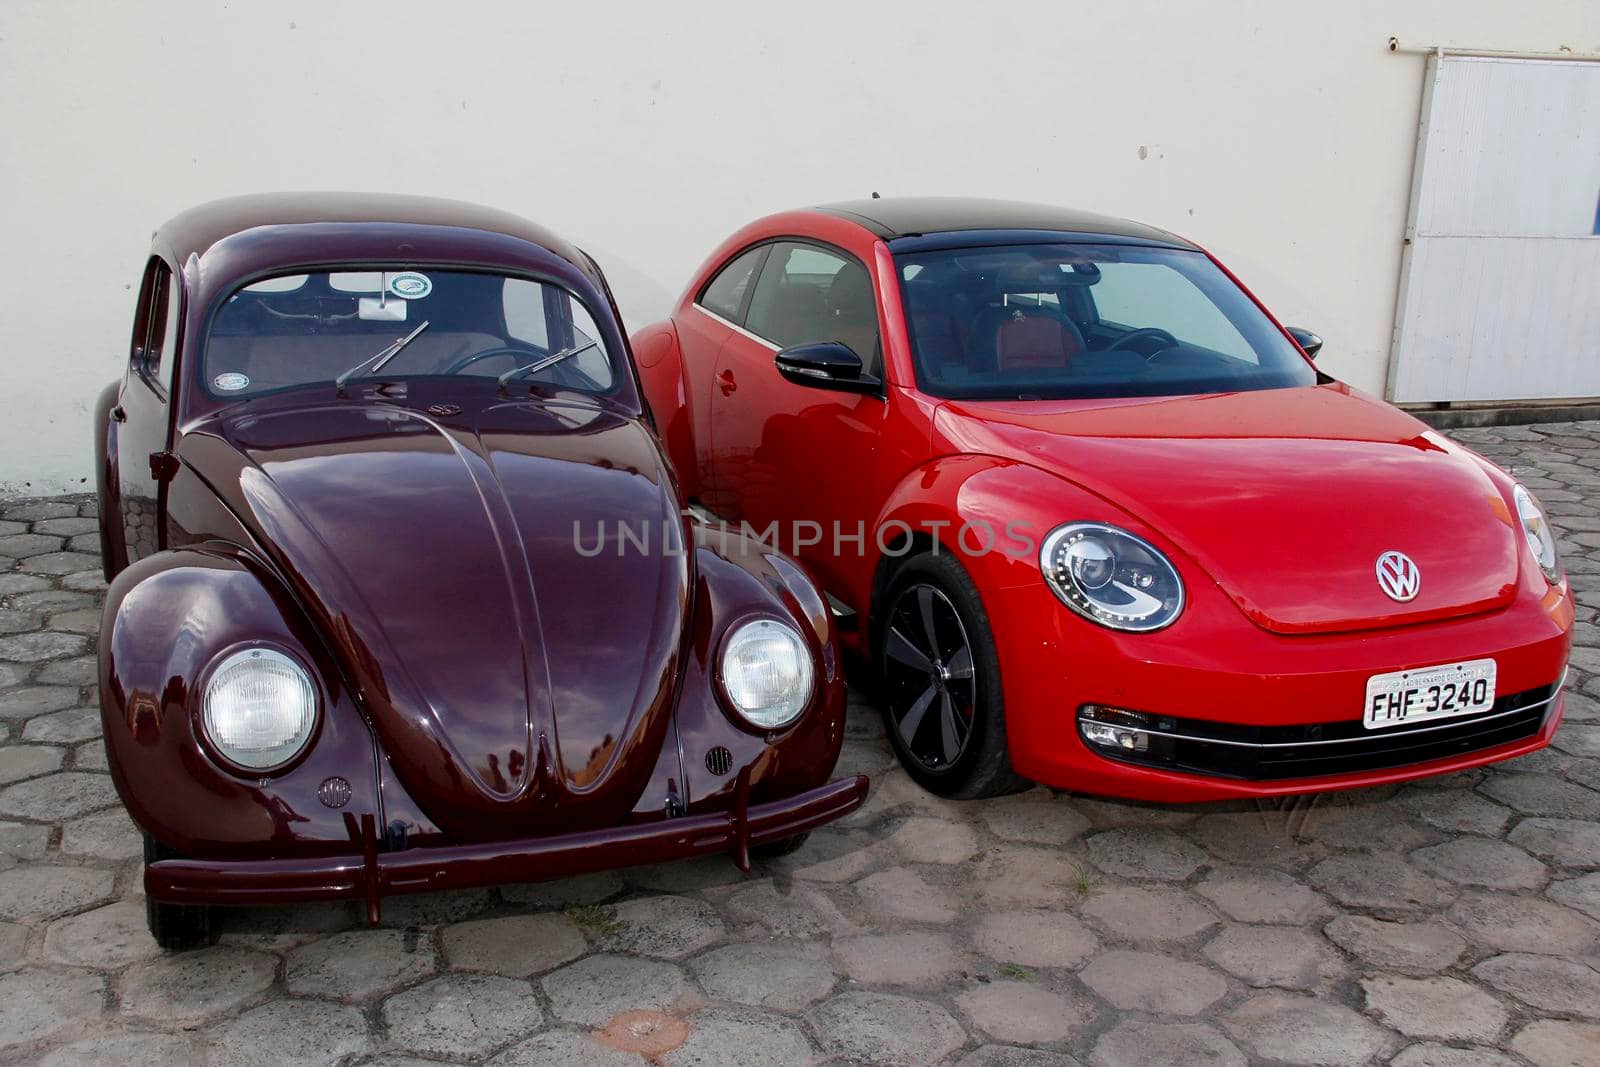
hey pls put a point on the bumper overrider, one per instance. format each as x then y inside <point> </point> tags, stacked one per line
<point>368,874</point>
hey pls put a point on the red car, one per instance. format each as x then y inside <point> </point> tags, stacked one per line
<point>372,628</point>
<point>1096,517</point>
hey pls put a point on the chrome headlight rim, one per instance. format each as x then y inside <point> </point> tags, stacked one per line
<point>1536,532</point>
<point>1081,604</point>
<point>743,628</point>
<point>216,750</point>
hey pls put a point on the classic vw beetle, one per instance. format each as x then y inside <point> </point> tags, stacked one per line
<point>402,594</point>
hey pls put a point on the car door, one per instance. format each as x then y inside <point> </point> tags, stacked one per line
<point>791,454</point>
<point>144,410</point>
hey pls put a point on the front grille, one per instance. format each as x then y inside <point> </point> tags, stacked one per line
<point>1265,753</point>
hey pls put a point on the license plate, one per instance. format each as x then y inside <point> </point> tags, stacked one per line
<point>1406,697</point>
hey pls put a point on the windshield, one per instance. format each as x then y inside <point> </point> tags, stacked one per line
<point>305,329</point>
<point>1086,320</point>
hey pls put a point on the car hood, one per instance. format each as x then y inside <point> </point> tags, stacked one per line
<point>512,679</point>
<point>1285,497</point>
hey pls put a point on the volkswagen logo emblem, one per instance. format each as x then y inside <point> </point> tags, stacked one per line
<point>1398,577</point>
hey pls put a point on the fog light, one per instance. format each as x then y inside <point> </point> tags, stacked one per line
<point>1115,728</point>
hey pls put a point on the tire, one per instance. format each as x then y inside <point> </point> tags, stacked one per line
<point>782,847</point>
<point>959,691</point>
<point>176,927</point>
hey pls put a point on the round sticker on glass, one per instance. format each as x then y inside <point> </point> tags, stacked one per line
<point>231,382</point>
<point>410,285</point>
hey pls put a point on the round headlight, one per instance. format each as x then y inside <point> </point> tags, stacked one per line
<point>1111,577</point>
<point>259,708</point>
<point>766,672</point>
<point>1536,528</point>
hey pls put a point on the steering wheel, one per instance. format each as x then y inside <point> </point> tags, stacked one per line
<point>489,353</point>
<point>1141,334</point>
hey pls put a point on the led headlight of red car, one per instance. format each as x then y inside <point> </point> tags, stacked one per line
<point>1111,577</point>
<point>1536,528</point>
<point>259,708</point>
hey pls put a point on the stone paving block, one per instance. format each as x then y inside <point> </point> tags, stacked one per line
<point>1305,1029</point>
<point>923,840</point>
<point>80,671</point>
<point>13,584</point>
<point>1563,842</point>
<point>67,527</point>
<point>21,546</point>
<point>1578,740</point>
<point>584,889</point>
<point>667,927</point>
<point>1338,822</point>
<point>1580,893</point>
<point>1440,1007</point>
<point>432,909</point>
<point>1457,811</point>
<point>1425,947</point>
<point>64,727</point>
<point>1146,981</point>
<point>40,645</point>
<point>462,1015</point>
<point>90,756</point>
<point>795,911</point>
<point>1035,938</point>
<point>1430,1054</point>
<point>58,796</point>
<point>49,601</point>
<point>900,893</point>
<point>188,987</point>
<point>36,1005</point>
<point>358,964</point>
<point>28,761</point>
<point>13,944</point>
<point>1013,1056</point>
<point>684,876</point>
<point>785,976</point>
<point>1254,839</point>
<point>1023,1013</point>
<point>727,1036</point>
<point>1481,861</point>
<point>1161,914</point>
<point>108,937</point>
<point>1275,956</point>
<point>596,988</point>
<point>889,1029</point>
<point>513,945</point>
<point>1033,818</point>
<point>904,958</point>
<point>27,702</point>
<point>23,841</point>
<point>84,621</point>
<point>60,563</point>
<point>44,892</point>
<point>1544,982</point>
<point>106,835</point>
<point>1541,794</point>
<point>16,622</point>
<point>1262,896</point>
<point>564,1048</point>
<point>126,1049</point>
<point>1152,1044</point>
<point>1026,877</point>
<point>1523,924</point>
<point>1559,1043</point>
<point>291,1033</point>
<point>1383,882</point>
<point>1138,853</point>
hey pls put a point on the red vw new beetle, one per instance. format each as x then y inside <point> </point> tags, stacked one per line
<point>1094,514</point>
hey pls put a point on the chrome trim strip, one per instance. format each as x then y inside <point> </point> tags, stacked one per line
<point>1336,741</point>
<point>735,327</point>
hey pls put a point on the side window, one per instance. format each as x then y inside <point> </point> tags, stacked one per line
<point>155,329</point>
<point>725,293</point>
<point>808,294</point>
<point>1138,295</point>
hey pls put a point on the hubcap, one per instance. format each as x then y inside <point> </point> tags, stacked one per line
<point>932,687</point>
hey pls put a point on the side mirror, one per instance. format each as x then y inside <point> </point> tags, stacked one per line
<point>1306,340</point>
<point>825,365</point>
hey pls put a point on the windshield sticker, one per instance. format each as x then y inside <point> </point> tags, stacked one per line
<point>231,382</point>
<point>410,285</point>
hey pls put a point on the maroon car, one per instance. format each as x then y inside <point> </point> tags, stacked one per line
<point>403,596</point>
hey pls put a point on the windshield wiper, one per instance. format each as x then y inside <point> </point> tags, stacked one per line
<point>375,363</point>
<point>548,361</point>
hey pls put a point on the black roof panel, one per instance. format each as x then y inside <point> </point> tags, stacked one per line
<point>909,216</point>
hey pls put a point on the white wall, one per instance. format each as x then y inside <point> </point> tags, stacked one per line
<point>1279,135</point>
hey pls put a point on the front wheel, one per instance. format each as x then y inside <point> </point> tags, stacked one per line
<point>944,709</point>
<point>176,926</point>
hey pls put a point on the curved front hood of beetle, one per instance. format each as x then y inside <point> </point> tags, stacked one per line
<point>518,679</point>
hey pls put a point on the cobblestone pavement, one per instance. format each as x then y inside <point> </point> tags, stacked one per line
<point>1450,922</point>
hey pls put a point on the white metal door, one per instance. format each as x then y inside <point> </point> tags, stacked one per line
<point>1500,282</point>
